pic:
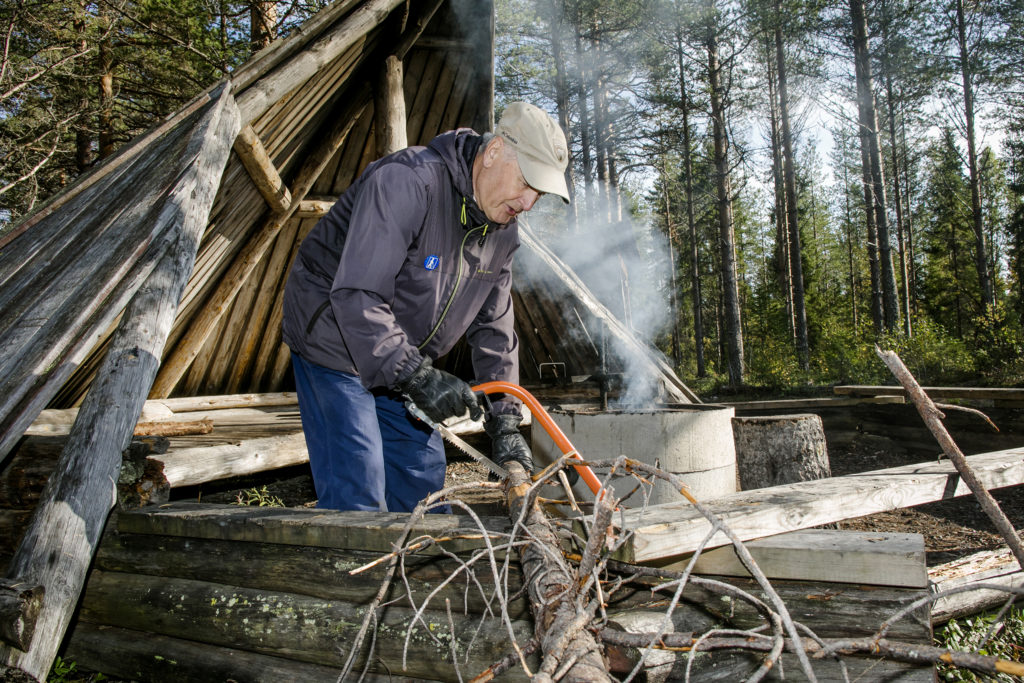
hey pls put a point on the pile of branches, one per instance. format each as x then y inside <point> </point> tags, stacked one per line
<point>571,580</point>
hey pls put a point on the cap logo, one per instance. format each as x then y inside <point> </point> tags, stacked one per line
<point>511,139</point>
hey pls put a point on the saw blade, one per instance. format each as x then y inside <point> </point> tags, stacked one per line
<point>456,440</point>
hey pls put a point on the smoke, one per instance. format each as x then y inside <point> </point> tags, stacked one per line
<point>625,265</point>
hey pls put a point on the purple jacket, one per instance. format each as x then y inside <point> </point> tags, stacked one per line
<point>373,279</point>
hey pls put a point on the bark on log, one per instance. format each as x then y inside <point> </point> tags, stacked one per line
<point>780,449</point>
<point>19,608</point>
<point>554,597</point>
<point>58,546</point>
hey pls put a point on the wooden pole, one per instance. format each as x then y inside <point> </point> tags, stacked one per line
<point>59,544</point>
<point>261,169</point>
<point>272,86</point>
<point>389,108</point>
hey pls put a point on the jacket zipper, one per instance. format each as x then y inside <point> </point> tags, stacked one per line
<point>455,289</point>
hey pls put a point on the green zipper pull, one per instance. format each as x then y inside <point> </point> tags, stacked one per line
<point>462,215</point>
<point>483,235</point>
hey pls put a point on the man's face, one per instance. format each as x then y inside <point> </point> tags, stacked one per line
<point>501,191</point>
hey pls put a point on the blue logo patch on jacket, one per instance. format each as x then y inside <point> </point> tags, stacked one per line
<point>431,262</point>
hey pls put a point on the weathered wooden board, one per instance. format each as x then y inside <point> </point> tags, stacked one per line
<point>933,392</point>
<point>300,627</point>
<point>151,657</point>
<point>997,567</point>
<point>671,529</point>
<point>356,530</point>
<point>190,466</point>
<point>883,559</point>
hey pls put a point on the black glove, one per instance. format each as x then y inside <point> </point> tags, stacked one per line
<point>507,444</point>
<point>438,394</point>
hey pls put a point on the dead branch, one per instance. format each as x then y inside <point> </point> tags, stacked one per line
<point>553,593</point>
<point>879,648</point>
<point>933,419</point>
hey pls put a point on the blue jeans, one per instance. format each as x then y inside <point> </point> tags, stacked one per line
<point>365,449</point>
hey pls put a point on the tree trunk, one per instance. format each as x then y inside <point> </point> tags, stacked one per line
<point>105,67</point>
<point>585,138</point>
<point>562,104</point>
<point>874,188</point>
<point>980,247</point>
<point>792,214</point>
<point>262,24</point>
<point>776,450</point>
<point>781,255</point>
<point>554,596</point>
<point>727,238</point>
<point>691,221</point>
<point>673,285</point>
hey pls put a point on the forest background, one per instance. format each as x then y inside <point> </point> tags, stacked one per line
<point>764,189</point>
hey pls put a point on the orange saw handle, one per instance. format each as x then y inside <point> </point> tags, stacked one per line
<point>541,415</point>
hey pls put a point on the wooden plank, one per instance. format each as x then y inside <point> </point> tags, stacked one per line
<point>317,572</point>
<point>675,528</point>
<point>996,567</point>
<point>139,656</point>
<point>1013,394</point>
<point>58,546</point>
<point>881,559</point>
<point>783,405</point>
<point>260,325</point>
<point>356,530</point>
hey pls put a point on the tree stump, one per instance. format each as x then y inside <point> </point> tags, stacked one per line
<point>779,449</point>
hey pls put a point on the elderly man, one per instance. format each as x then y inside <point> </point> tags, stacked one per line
<point>415,254</point>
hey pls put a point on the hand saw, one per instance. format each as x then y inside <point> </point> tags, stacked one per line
<point>457,441</point>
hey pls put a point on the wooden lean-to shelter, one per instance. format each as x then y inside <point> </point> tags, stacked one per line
<point>160,272</point>
<point>158,276</point>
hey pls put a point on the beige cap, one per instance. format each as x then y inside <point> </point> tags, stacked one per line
<point>539,144</point>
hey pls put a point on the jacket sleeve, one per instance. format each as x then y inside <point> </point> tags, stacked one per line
<point>386,218</point>
<point>493,342</point>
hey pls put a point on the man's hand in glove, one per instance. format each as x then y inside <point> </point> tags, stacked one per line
<point>438,394</point>
<point>507,443</point>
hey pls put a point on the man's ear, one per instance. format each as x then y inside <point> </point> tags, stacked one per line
<point>493,151</point>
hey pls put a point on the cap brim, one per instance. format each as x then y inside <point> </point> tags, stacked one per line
<point>543,177</point>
